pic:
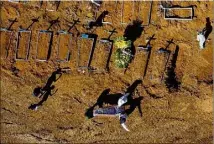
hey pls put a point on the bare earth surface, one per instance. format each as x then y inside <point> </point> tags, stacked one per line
<point>183,116</point>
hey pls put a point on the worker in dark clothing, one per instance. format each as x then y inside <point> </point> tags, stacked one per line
<point>46,94</point>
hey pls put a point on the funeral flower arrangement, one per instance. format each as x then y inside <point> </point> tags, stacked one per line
<point>123,53</point>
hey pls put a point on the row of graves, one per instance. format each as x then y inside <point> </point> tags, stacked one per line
<point>126,11</point>
<point>90,50</point>
<point>93,54</point>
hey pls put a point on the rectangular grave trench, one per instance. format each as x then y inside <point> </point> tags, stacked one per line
<point>23,45</point>
<point>44,45</point>
<point>64,47</point>
<point>142,11</point>
<point>142,57</point>
<point>127,12</point>
<point>177,13</point>
<point>86,46</point>
<point>5,37</point>
<point>101,56</point>
<point>159,65</point>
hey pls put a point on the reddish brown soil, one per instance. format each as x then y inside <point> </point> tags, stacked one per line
<point>184,116</point>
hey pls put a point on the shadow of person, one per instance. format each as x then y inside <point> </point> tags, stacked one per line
<point>132,88</point>
<point>133,31</point>
<point>52,78</point>
<point>89,112</point>
<point>133,103</point>
<point>208,28</point>
<point>107,98</point>
<point>101,98</point>
<point>111,99</point>
<point>46,94</point>
<point>99,20</point>
<point>37,91</point>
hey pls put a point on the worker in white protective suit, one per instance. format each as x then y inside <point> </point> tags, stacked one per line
<point>123,116</point>
<point>201,38</point>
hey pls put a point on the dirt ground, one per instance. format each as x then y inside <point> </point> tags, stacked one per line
<point>181,113</point>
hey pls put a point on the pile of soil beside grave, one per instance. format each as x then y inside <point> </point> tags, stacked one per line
<point>177,109</point>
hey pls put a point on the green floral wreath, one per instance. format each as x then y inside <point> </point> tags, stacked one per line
<point>123,54</point>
